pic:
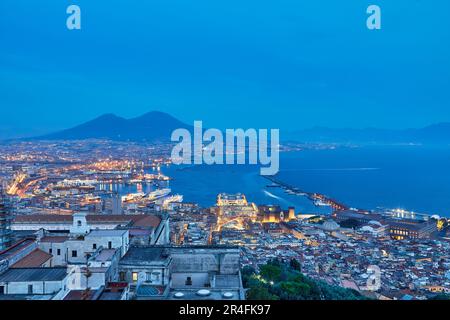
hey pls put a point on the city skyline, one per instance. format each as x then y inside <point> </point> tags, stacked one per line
<point>237,151</point>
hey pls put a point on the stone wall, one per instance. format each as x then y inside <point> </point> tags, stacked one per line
<point>218,260</point>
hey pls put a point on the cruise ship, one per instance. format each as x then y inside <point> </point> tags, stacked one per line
<point>92,198</point>
<point>134,181</point>
<point>158,194</point>
<point>133,197</point>
<point>173,198</point>
<point>76,183</point>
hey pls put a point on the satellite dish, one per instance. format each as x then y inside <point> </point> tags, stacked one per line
<point>227,295</point>
<point>203,292</point>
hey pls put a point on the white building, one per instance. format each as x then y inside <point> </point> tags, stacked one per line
<point>108,239</point>
<point>34,281</point>
<point>144,228</point>
<point>73,249</point>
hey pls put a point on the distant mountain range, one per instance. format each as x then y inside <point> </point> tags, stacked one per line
<point>152,126</point>
<point>158,126</point>
<point>433,134</point>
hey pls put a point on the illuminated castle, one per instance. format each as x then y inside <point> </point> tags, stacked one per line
<point>275,214</point>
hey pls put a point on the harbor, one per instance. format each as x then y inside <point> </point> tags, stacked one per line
<point>317,198</point>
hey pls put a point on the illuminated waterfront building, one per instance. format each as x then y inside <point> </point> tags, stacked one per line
<point>235,205</point>
<point>411,229</point>
<point>271,214</point>
<point>360,217</point>
<point>238,199</point>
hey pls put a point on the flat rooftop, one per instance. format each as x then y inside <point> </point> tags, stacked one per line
<point>412,225</point>
<point>145,255</point>
<point>33,274</point>
<point>106,233</point>
<point>228,281</point>
<point>105,255</point>
<point>55,239</point>
<point>214,294</point>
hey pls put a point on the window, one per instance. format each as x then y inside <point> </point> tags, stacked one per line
<point>109,245</point>
<point>2,289</point>
<point>58,252</point>
<point>94,246</point>
<point>50,251</point>
<point>135,276</point>
<point>74,253</point>
<point>30,289</point>
<point>122,276</point>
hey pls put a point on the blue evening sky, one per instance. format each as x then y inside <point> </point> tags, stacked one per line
<point>232,63</point>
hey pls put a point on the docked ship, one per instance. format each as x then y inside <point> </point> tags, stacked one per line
<point>133,197</point>
<point>158,177</point>
<point>92,198</point>
<point>134,181</point>
<point>173,198</point>
<point>159,193</point>
<point>321,203</point>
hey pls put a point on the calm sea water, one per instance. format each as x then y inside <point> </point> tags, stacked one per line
<point>409,177</point>
<point>415,178</point>
<point>203,183</point>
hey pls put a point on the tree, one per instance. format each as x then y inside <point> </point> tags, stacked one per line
<point>295,290</point>
<point>260,293</point>
<point>248,271</point>
<point>441,296</point>
<point>284,281</point>
<point>295,265</point>
<point>248,276</point>
<point>270,272</point>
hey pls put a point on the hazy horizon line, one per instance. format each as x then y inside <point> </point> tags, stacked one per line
<point>31,132</point>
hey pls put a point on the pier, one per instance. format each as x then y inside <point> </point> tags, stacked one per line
<point>334,204</point>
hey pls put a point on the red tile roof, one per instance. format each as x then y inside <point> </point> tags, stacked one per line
<point>33,260</point>
<point>55,218</point>
<point>80,295</point>
<point>137,220</point>
<point>16,248</point>
<point>54,239</point>
<point>145,221</point>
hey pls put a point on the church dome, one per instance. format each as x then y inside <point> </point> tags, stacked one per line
<point>330,225</point>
